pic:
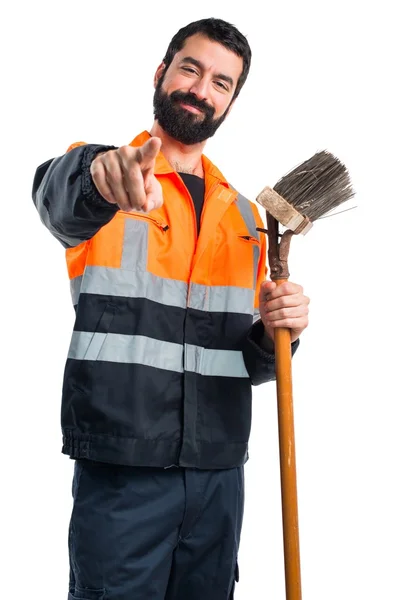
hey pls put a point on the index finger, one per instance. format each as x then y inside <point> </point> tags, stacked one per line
<point>147,153</point>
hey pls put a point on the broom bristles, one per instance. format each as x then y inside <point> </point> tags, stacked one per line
<point>317,185</point>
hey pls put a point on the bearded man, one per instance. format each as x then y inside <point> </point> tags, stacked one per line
<point>174,325</point>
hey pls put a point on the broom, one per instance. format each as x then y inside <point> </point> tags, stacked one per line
<point>309,191</point>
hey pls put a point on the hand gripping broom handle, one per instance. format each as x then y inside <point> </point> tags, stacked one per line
<point>277,258</point>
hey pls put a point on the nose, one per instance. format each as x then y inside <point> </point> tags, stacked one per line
<point>200,88</point>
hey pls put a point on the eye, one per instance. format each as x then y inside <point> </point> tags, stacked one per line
<point>222,85</point>
<point>189,70</point>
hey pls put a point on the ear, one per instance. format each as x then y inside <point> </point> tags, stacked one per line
<point>158,73</point>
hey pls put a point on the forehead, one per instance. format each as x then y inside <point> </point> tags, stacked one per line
<point>213,56</point>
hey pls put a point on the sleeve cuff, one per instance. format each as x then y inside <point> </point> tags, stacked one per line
<point>256,335</point>
<point>89,190</point>
<point>259,361</point>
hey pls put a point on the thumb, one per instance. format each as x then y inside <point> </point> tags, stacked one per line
<point>148,152</point>
<point>265,289</point>
<point>268,286</point>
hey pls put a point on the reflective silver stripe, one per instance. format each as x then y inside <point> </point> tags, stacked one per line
<point>137,349</point>
<point>141,284</point>
<point>256,257</point>
<point>134,252</point>
<point>247,215</point>
<point>256,315</point>
<point>219,363</point>
<point>75,287</point>
<point>133,280</point>
<point>133,349</point>
<point>221,298</point>
<point>137,284</point>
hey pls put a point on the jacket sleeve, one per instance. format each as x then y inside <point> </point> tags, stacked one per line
<point>260,361</point>
<point>66,198</point>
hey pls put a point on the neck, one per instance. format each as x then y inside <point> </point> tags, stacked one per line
<point>182,158</point>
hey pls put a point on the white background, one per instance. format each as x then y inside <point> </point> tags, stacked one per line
<point>324,75</point>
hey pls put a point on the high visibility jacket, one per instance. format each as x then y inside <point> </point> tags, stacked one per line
<point>164,350</point>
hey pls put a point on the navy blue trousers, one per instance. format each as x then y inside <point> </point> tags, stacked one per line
<point>140,533</point>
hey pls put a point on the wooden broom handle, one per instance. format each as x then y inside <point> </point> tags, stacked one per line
<point>283,362</point>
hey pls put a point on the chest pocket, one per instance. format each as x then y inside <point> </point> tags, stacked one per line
<point>143,236</point>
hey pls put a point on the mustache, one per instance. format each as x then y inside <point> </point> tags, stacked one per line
<point>191,100</point>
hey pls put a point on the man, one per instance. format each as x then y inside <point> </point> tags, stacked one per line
<point>167,272</point>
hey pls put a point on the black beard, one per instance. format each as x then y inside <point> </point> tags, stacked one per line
<point>179,123</point>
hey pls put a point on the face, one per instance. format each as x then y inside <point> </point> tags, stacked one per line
<point>194,95</point>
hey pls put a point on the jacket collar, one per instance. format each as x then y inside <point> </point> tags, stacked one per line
<point>163,167</point>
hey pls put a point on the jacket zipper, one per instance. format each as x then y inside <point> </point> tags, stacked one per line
<point>160,224</point>
<point>249,238</point>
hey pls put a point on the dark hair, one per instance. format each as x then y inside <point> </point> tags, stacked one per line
<point>219,31</point>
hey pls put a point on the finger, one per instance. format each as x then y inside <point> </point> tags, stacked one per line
<point>268,285</point>
<point>98,173</point>
<point>285,302</point>
<point>285,289</point>
<point>115,179</point>
<point>297,312</point>
<point>138,173</point>
<point>298,324</point>
<point>152,202</point>
<point>135,187</point>
<point>266,288</point>
<point>146,154</point>
<point>148,180</point>
<point>154,195</point>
